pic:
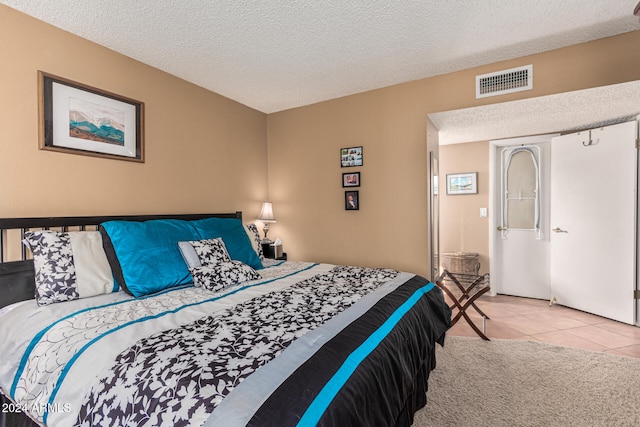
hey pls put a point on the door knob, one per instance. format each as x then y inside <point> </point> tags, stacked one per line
<point>559,230</point>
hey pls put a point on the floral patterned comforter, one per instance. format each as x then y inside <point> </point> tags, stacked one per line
<point>260,353</point>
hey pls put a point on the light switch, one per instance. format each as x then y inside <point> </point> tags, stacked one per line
<point>483,212</point>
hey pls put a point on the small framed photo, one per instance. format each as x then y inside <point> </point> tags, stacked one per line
<point>351,156</point>
<point>351,179</point>
<point>351,200</point>
<point>462,183</point>
<point>79,119</point>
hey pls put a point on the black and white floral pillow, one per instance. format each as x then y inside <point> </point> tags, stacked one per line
<point>211,251</point>
<point>55,273</point>
<point>256,242</point>
<point>215,277</point>
<point>68,266</point>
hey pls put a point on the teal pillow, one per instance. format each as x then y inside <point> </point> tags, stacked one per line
<point>144,256</point>
<point>234,237</point>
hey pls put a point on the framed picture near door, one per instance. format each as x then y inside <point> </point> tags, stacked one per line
<point>462,183</point>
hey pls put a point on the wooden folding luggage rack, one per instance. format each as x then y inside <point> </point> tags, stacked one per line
<point>469,288</point>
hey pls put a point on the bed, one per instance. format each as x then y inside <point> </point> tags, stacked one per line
<point>180,320</point>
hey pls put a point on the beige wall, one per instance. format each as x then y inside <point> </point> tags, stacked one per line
<point>207,153</point>
<point>391,228</point>
<point>203,152</point>
<point>461,227</point>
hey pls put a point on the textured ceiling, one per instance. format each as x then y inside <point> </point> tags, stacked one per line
<point>275,55</point>
<point>565,112</point>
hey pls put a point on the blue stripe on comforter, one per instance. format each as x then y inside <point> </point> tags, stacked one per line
<point>328,393</point>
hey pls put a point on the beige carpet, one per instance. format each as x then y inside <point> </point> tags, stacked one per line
<point>522,383</point>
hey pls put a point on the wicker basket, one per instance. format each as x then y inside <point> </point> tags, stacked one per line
<point>461,262</point>
<point>464,265</point>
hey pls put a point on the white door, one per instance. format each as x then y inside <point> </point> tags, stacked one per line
<point>520,255</point>
<point>593,206</point>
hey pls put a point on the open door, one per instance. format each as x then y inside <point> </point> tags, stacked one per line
<point>593,221</point>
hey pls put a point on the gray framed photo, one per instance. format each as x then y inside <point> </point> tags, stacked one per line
<point>352,200</point>
<point>351,179</point>
<point>80,119</point>
<point>462,183</point>
<point>351,156</point>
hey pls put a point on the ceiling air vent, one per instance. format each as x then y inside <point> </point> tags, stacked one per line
<point>506,81</point>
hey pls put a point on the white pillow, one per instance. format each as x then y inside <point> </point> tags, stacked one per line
<point>69,265</point>
<point>189,254</point>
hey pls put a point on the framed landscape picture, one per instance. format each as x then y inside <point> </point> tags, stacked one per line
<point>462,183</point>
<point>79,119</point>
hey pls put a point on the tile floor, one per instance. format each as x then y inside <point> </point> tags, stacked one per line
<point>535,320</point>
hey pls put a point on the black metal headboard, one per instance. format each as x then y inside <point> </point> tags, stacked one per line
<point>17,276</point>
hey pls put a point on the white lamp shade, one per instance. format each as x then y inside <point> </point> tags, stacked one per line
<point>266,214</point>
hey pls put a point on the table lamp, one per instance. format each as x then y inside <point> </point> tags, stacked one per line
<point>266,216</point>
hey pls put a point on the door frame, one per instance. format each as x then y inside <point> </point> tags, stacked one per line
<point>637,224</point>
<point>495,196</point>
